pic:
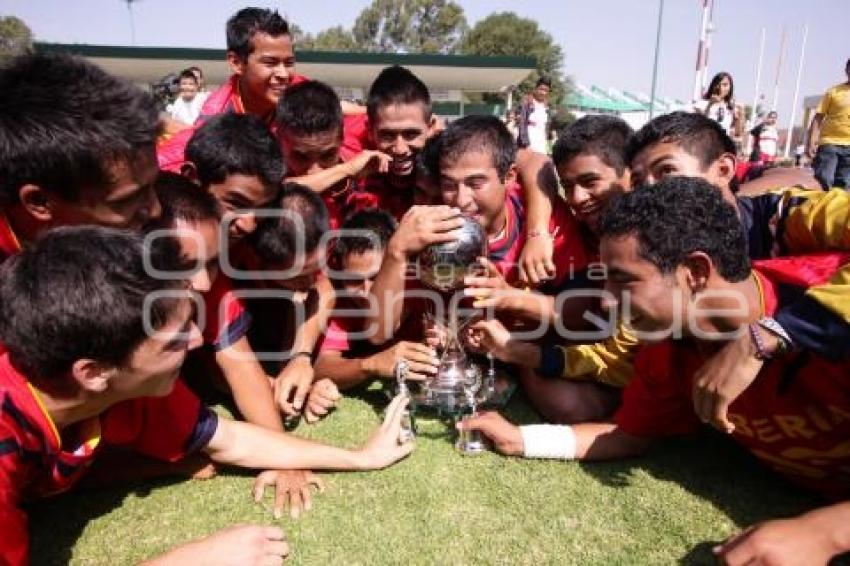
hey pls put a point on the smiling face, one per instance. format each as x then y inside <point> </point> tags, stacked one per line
<point>199,247</point>
<point>128,201</point>
<point>361,268</point>
<point>471,183</point>
<point>401,130</point>
<point>154,366</point>
<point>265,73</point>
<point>240,195</point>
<point>590,184</point>
<point>647,298</point>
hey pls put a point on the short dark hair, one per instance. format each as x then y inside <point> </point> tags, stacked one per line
<point>487,134</point>
<point>187,74</point>
<point>428,160</point>
<point>64,121</point>
<point>242,26</point>
<point>543,80</point>
<point>310,107</point>
<point>397,85</point>
<point>605,137</point>
<point>697,134</point>
<point>278,240</point>
<point>377,222</point>
<point>679,216</point>
<point>79,292</point>
<point>235,144</point>
<point>181,199</point>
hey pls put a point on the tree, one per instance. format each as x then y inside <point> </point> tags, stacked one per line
<point>15,37</point>
<point>332,39</point>
<point>418,26</point>
<point>506,33</point>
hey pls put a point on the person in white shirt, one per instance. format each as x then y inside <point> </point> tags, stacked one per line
<point>766,139</point>
<point>718,103</point>
<point>187,106</point>
<point>534,118</point>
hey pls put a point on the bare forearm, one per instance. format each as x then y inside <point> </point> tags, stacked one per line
<point>834,522</point>
<point>250,386</point>
<point>605,441</point>
<point>249,446</point>
<point>388,293</point>
<point>323,180</point>
<point>344,372</point>
<point>308,334</point>
<point>539,184</point>
<point>814,131</point>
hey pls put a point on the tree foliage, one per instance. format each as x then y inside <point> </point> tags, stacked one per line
<point>15,37</point>
<point>332,39</point>
<point>418,26</point>
<point>505,33</point>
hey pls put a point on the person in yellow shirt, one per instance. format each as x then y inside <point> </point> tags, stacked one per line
<point>831,128</point>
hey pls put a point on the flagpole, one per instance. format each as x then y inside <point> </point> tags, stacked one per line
<point>796,93</point>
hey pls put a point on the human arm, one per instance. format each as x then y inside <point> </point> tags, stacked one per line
<point>367,162</point>
<point>420,227</point>
<point>812,538</point>
<point>814,135</point>
<point>349,372</point>
<point>248,446</point>
<point>585,441</point>
<point>252,545</point>
<point>293,382</point>
<point>249,385</point>
<point>539,184</point>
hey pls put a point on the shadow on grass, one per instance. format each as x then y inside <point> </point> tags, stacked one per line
<point>53,535</point>
<point>714,468</point>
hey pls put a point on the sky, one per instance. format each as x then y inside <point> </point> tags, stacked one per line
<point>609,43</point>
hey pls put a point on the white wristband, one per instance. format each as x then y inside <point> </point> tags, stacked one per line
<point>549,441</point>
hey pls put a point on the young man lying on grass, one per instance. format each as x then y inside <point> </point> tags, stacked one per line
<point>92,349</point>
<point>679,269</point>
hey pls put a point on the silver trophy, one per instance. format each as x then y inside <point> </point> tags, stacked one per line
<point>443,267</point>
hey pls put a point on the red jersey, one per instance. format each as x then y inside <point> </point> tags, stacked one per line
<point>568,252</point>
<point>170,153</point>
<point>227,320</point>
<point>795,417</point>
<point>9,244</point>
<point>36,461</point>
<point>355,136</point>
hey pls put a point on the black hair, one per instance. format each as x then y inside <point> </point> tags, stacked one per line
<point>242,26</point>
<point>80,292</point>
<point>605,137</point>
<point>65,121</point>
<point>181,199</point>
<point>543,80</point>
<point>277,240</point>
<point>378,223</point>
<point>715,82</point>
<point>235,144</point>
<point>487,134</point>
<point>194,68</point>
<point>187,74</point>
<point>679,216</point>
<point>428,160</point>
<point>697,134</point>
<point>311,107</point>
<point>397,85</point>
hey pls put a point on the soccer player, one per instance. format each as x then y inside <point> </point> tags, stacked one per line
<point>236,159</point>
<point>76,147</point>
<point>346,356</point>
<point>681,265</point>
<point>110,377</point>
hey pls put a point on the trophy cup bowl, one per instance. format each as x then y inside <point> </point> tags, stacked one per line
<point>443,266</point>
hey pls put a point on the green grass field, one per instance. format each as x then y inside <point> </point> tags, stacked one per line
<point>670,506</point>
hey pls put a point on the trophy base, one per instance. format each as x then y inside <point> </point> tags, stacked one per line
<point>469,443</point>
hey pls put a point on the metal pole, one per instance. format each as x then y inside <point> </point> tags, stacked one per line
<point>709,31</point>
<point>796,94</point>
<point>753,116</point>
<point>132,23</point>
<point>778,71</point>
<point>655,65</point>
<point>701,51</point>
